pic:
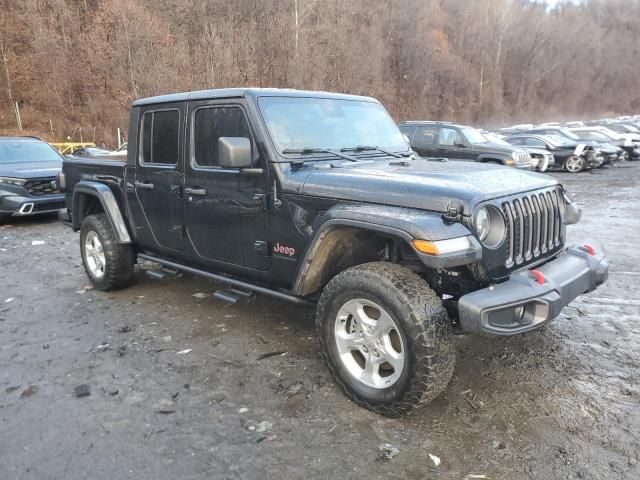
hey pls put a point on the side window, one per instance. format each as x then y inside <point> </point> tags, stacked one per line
<point>448,136</point>
<point>211,123</point>
<point>534,142</point>
<point>516,141</point>
<point>425,135</point>
<point>407,130</point>
<point>160,137</point>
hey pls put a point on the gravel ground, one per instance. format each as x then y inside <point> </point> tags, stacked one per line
<point>181,385</point>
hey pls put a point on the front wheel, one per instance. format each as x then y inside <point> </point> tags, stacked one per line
<point>574,164</point>
<point>109,264</point>
<point>385,337</point>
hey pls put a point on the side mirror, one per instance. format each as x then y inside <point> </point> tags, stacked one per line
<point>458,143</point>
<point>234,152</point>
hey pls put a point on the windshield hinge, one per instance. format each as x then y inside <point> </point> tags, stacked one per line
<point>277,203</point>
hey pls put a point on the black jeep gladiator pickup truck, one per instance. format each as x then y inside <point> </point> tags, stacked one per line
<point>316,198</point>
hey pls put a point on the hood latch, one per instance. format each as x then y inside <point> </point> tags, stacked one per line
<point>453,214</point>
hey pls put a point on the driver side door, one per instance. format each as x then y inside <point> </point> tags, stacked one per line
<point>225,210</point>
<point>449,139</point>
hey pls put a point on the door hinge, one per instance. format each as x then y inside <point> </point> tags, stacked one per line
<point>176,190</point>
<point>260,199</point>
<point>260,245</point>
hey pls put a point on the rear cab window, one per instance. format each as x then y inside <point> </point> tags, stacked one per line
<point>160,137</point>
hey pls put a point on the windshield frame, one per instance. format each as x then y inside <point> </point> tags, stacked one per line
<point>286,157</point>
<point>26,140</point>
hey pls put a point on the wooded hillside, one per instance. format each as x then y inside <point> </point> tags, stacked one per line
<point>77,64</point>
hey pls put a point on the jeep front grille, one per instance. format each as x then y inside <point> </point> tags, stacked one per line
<point>44,186</point>
<point>535,226</point>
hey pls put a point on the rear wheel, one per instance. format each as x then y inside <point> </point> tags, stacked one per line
<point>109,264</point>
<point>385,337</point>
<point>574,164</point>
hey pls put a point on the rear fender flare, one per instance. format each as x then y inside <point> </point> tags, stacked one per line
<point>109,204</point>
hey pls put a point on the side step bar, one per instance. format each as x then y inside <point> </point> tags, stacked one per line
<point>229,281</point>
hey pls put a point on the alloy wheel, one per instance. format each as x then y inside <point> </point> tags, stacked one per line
<point>369,343</point>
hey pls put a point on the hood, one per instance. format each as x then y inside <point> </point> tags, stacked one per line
<point>29,170</point>
<point>420,183</point>
<point>497,147</point>
<point>537,151</point>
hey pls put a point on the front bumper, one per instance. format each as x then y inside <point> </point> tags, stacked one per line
<point>524,166</point>
<point>526,302</point>
<point>594,161</point>
<point>21,206</point>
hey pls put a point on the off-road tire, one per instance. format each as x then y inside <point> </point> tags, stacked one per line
<point>4,219</point>
<point>426,332</point>
<point>119,270</point>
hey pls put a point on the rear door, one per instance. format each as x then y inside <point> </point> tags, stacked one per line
<point>226,217</point>
<point>159,173</point>
<point>424,140</point>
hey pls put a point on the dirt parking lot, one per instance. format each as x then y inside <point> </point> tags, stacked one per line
<point>183,386</point>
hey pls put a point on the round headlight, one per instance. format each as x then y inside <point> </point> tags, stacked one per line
<point>490,226</point>
<point>483,223</point>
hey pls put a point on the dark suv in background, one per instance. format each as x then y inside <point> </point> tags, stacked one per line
<point>460,142</point>
<point>28,170</point>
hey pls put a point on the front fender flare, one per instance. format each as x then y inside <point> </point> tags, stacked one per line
<point>403,223</point>
<point>485,157</point>
<point>109,203</point>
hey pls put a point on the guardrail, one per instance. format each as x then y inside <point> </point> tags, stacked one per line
<point>69,147</point>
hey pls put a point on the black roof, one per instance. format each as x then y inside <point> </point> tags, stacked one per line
<point>246,92</point>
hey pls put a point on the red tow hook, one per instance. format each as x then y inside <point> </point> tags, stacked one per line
<point>538,275</point>
<point>589,249</point>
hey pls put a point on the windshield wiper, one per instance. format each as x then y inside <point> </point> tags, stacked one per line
<point>362,148</point>
<point>308,150</point>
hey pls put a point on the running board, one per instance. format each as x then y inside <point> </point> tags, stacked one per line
<point>239,284</point>
<point>161,274</point>
<point>226,296</point>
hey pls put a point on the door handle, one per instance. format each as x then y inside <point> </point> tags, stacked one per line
<point>144,185</point>
<point>195,191</point>
<point>442,148</point>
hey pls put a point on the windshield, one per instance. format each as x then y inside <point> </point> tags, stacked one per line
<point>473,135</point>
<point>609,132</point>
<point>601,137</point>
<point>556,140</point>
<point>496,139</point>
<point>568,133</point>
<point>14,151</point>
<point>297,123</point>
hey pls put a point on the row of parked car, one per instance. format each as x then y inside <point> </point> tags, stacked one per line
<point>573,147</point>
<point>29,166</point>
